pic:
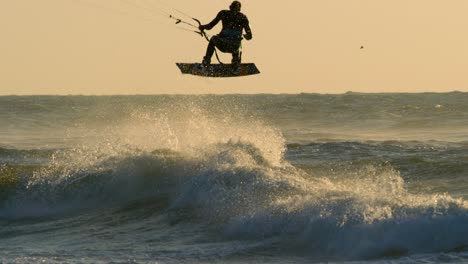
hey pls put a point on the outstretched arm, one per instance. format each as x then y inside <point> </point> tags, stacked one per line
<point>212,23</point>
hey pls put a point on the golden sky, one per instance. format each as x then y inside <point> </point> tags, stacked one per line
<point>130,47</point>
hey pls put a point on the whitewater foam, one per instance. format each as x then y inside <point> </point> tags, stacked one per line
<point>229,174</point>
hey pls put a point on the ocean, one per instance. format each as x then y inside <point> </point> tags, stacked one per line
<point>305,178</point>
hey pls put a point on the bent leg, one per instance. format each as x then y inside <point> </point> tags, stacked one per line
<point>210,50</point>
<point>236,58</point>
<point>224,45</point>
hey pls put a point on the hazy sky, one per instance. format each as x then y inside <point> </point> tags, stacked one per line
<point>130,47</point>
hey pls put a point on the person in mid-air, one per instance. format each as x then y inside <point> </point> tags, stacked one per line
<point>230,37</point>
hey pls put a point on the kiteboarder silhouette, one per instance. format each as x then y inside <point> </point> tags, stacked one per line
<point>229,39</point>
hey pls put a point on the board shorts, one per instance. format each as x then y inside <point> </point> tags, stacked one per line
<point>224,44</point>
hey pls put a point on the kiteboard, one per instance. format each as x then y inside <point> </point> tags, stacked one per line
<point>218,70</point>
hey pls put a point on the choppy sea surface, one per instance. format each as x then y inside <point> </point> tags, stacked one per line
<point>307,178</point>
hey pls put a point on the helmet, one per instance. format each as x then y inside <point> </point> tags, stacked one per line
<point>235,6</point>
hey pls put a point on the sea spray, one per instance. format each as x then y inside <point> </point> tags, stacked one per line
<point>127,160</point>
<point>210,179</point>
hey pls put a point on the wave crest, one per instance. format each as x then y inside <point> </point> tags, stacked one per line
<point>230,175</point>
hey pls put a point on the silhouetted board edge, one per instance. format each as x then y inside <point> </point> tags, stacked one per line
<point>218,70</point>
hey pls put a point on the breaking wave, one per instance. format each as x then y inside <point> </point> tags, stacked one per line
<point>231,176</point>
